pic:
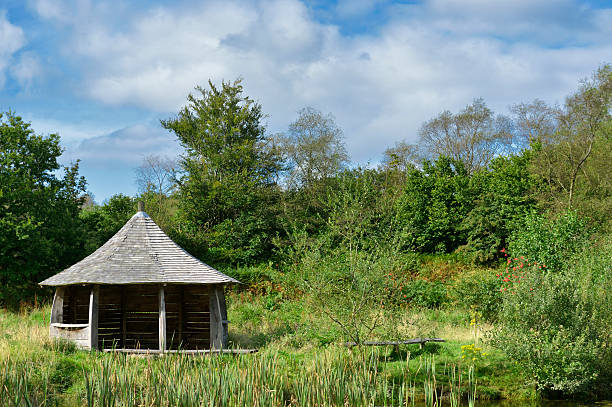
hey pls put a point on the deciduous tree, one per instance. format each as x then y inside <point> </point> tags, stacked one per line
<point>473,136</point>
<point>584,119</point>
<point>228,192</point>
<point>39,225</point>
<point>314,147</point>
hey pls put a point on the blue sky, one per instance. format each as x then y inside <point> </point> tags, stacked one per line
<point>103,73</point>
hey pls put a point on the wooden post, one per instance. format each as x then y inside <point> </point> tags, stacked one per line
<point>123,318</point>
<point>181,294</point>
<point>93,317</point>
<point>162,319</point>
<point>57,310</point>
<point>218,318</point>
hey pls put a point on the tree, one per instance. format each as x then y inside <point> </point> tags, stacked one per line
<point>402,157</point>
<point>228,192</point>
<point>473,136</point>
<point>315,152</point>
<point>584,120</point>
<point>156,180</point>
<point>314,147</point>
<point>156,174</point>
<point>102,222</point>
<point>534,122</point>
<point>502,194</point>
<point>39,225</point>
<point>435,201</point>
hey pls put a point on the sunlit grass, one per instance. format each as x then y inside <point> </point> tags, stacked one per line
<point>300,363</point>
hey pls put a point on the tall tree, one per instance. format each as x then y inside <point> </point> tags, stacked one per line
<point>402,157</point>
<point>156,174</point>
<point>584,119</point>
<point>534,122</point>
<point>39,225</point>
<point>314,147</point>
<point>228,191</point>
<point>435,201</point>
<point>473,136</point>
<point>156,180</point>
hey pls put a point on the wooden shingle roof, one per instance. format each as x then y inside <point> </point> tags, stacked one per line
<point>139,253</point>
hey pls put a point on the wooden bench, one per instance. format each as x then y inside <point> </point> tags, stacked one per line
<point>395,344</point>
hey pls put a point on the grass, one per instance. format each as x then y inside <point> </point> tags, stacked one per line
<point>298,364</point>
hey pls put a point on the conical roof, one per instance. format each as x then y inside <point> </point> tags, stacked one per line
<point>139,253</point>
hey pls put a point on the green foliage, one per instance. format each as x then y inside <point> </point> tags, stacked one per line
<point>502,195</point>
<point>567,157</point>
<point>549,242</point>
<point>102,222</point>
<point>434,202</point>
<point>39,228</point>
<point>348,288</point>
<point>228,193</point>
<point>427,294</point>
<point>558,326</point>
<point>480,290</point>
<point>314,147</point>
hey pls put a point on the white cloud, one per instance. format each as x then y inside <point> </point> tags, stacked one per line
<point>71,133</point>
<point>11,40</point>
<point>381,87</point>
<point>26,70</point>
<point>124,148</point>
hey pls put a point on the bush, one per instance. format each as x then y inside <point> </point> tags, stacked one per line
<point>426,294</point>
<point>558,326</point>
<point>551,243</point>
<point>481,291</point>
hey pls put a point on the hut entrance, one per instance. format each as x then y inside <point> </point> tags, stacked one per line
<point>129,316</point>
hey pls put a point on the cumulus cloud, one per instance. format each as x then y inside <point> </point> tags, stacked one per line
<point>11,40</point>
<point>430,56</point>
<point>26,69</point>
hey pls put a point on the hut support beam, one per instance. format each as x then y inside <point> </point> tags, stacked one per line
<point>123,318</point>
<point>218,318</point>
<point>94,294</point>
<point>162,319</point>
<point>57,311</point>
<point>180,315</point>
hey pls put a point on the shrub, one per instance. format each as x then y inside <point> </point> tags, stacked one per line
<point>558,326</point>
<point>422,293</point>
<point>551,243</point>
<point>479,290</point>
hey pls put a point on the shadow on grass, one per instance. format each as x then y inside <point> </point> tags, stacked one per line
<point>243,340</point>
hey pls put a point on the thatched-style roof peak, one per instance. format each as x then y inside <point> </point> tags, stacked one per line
<point>139,253</point>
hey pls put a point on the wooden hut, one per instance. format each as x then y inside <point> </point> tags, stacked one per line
<point>140,290</point>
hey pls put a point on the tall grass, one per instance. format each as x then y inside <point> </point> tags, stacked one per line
<point>330,378</point>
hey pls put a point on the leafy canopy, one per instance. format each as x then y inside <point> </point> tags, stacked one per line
<point>39,227</point>
<point>228,186</point>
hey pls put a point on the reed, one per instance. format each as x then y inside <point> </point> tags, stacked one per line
<point>327,379</point>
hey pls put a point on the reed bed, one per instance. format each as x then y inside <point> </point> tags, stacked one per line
<point>329,378</point>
